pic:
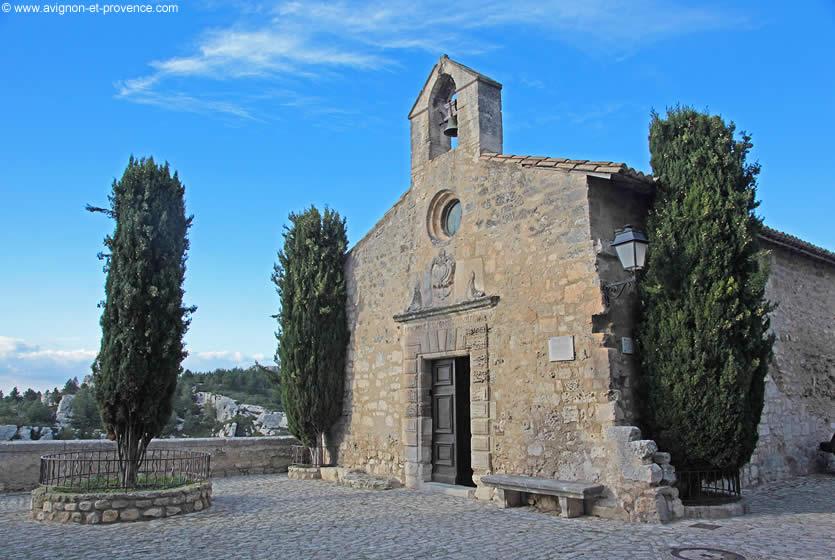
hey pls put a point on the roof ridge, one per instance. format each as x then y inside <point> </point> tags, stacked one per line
<point>566,164</point>
<point>796,243</point>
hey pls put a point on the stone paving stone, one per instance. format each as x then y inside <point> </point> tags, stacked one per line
<point>272,517</point>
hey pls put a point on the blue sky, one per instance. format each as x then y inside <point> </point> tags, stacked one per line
<point>266,107</point>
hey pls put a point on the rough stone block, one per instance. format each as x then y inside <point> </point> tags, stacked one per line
<point>102,504</point>
<point>329,474</point>
<point>109,516</point>
<point>129,514</point>
<point>661,457</point>
<point>172,510</point>
<point>643,449</point>
<point>85,506</point>
<point>154,512</point>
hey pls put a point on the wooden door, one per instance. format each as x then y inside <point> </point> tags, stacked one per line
<point>444,454</point>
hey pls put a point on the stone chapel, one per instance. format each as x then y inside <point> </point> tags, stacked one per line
<point>485,339</point>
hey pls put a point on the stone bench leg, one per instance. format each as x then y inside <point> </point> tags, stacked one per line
<point>508,498</point>
<point>571,507</point>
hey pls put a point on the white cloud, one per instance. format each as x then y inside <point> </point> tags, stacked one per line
<point>213,359</point>
<point>26,365</point>
<point>286,41</point>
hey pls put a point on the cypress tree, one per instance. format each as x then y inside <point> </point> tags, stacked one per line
<point>312,324</point>
<point>703,334</point>
<point>143,319</point>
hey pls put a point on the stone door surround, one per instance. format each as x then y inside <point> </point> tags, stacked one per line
<point>431,339</point>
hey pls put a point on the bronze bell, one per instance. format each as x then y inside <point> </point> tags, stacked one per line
<point>451,128</point>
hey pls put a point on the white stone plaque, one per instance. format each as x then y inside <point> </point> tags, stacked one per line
<point>627,345</point>
<point>561,348</point>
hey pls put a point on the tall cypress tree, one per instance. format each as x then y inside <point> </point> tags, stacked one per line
<point>143,319</point>
<point>312,323</point>
<point>703,333</point>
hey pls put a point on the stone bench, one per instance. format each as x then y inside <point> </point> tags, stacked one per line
<point>572,496</point>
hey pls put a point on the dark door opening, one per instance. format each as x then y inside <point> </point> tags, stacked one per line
<point>451,436</point>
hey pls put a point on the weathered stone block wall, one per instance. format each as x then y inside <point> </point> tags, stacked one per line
<point>20,461</point>
<point>368,434</point>
<point>799,410</point>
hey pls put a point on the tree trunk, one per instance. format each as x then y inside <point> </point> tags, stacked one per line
<point>131,449</point>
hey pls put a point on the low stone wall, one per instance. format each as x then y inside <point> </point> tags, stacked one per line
<point>110,507</point>
<point>20,460</point>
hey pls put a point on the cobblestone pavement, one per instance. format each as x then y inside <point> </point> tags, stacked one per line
<point>272,517</point>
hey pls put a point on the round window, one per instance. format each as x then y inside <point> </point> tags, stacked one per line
<point>452,218</point>
<point>443,219</point>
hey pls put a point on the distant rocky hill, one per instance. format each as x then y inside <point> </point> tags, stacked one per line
<point>242,419</point>
<point>203,407</point>
<point>231,420</point>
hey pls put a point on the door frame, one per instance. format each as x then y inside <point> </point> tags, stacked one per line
<point>428,341</point>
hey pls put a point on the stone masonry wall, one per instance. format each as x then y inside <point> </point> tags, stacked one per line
<point>20,461</point>
<point>799,410</point>
<point>525,238</point>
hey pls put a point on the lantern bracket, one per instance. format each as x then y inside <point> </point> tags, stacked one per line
<point>616,289</point>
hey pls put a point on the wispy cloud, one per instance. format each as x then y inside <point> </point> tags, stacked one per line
<point>297,41</point>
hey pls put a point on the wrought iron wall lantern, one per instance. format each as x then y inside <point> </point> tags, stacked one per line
<point>630,244</point>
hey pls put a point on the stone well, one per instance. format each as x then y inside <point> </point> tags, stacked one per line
<point>119,507</point>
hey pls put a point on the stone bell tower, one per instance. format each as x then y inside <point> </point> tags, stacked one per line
<point>474,100</point>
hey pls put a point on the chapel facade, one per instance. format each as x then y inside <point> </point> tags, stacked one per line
<point>486,338</point>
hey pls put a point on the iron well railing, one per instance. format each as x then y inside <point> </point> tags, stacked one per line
<point>93,470</point>
<point>708,487</point>
<point>301,455</point>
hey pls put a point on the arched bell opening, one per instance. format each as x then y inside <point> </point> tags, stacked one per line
<point>443,117</point>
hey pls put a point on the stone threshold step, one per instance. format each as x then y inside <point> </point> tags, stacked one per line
<point>449,489</point>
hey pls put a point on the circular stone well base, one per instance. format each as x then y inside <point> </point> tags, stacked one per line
<point>718,511</point>
<point>118,507</point>
<point>302,472</point>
